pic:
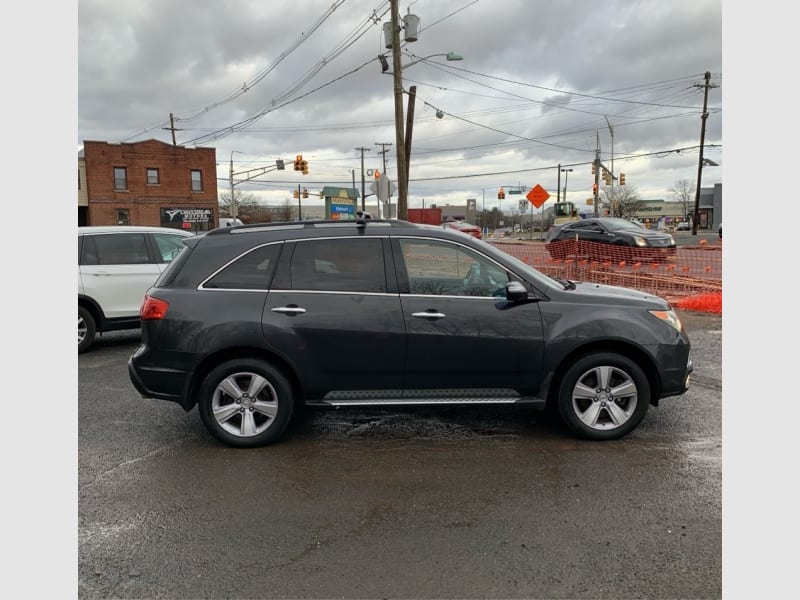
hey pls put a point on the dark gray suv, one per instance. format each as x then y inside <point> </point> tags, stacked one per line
<point>251,322</point>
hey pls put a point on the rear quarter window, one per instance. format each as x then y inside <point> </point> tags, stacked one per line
<point>251,271</point>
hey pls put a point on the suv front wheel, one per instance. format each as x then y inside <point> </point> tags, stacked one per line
<point>603,396</point>
<point>246,403</point>
<point>87,329</point>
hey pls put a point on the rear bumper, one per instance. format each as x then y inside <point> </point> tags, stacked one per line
<point>159,383</point>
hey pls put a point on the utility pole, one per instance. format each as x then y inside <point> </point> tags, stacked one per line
<point>383,152</point>
<point>400,144</point>
<point>706,86</point>
<point>172,128</point>
<point>412,96</point>
<point>363,185</point>
<point>613,172</point>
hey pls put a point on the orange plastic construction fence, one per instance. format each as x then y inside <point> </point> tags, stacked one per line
<point>688,276</point>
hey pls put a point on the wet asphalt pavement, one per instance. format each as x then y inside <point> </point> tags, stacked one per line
<point>457,502</point>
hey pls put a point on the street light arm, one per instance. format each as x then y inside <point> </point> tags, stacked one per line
<point>261,171</point>
<point>451,56</point>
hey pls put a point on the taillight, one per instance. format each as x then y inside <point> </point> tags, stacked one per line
<point>153,309</point>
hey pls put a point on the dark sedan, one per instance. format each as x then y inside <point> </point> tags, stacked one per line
<point>608,238</point>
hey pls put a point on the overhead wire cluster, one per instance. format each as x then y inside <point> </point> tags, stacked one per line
<point>630,106</point>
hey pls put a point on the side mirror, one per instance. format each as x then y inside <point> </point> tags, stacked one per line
<point>515,291</point>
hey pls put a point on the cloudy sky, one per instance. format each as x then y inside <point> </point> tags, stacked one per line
<point>540,84</point>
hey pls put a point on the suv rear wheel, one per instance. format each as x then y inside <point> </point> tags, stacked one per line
<point>87,329</point>
<point>246,403</point>
<point>603,396</point>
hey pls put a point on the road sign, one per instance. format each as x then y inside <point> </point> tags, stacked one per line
<point>537,196</point>
<point>385,188</point>
<point>523,204</point>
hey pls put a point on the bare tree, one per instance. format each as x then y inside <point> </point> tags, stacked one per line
<point>247,207</point>
<point>285,212</point>
<point>624,203</point>
<point>683,192</point>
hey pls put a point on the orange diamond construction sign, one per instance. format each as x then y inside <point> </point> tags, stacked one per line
<point>537,196</point>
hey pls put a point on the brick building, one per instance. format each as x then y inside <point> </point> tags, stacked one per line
<point>147,183</point>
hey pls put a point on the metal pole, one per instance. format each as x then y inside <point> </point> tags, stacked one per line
<point>597,177</point>
<point>558,193</point>
<point>483,213</point>
<point>299,203</point>
<point>233,201</point>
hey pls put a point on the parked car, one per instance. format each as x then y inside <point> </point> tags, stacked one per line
<point>609,237</point>
<point>116,266</point>
<point>252,323</point>
<point>463,227</point>
<point>684,226</point>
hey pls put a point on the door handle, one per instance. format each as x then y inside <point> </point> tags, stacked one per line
<point>289,310</point>
<point>429,315</point>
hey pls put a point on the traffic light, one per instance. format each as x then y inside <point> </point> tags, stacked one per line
<point>501,194</point>
<point>594,188</point>
<point>305,192</point>
<point>295,194</point>
<point>594,169</point>
<point>304,166</point>
<point>279,164</point>
<point>622,178</point>
<point>298,162</point>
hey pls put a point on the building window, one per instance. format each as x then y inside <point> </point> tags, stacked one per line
<point>120,178</point>
<point>123,217</point>
<point>197,180</point>
<point>152,176</point>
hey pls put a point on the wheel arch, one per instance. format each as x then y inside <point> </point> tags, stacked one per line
<point>94,309</point>
<point>637,355</point>
<point>246,352</point>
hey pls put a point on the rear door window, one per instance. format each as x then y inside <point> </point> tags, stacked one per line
<point>115,249</point>
<point>339,265</point>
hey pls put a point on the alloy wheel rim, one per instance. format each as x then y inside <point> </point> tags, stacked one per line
<point>244,404</point>
<point>604,398</point>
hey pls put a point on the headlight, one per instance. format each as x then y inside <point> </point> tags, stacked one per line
<point>670,317</point>
<point>640,241</point>
<point>671,240</point>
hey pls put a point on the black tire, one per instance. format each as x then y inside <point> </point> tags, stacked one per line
<point>603,396</point>
<point>246,403</point>
<point>87,329</point>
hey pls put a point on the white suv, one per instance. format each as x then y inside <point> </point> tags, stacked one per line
<point>116,266</point>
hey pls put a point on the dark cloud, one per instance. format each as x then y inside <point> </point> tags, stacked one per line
<point>540,83</point>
